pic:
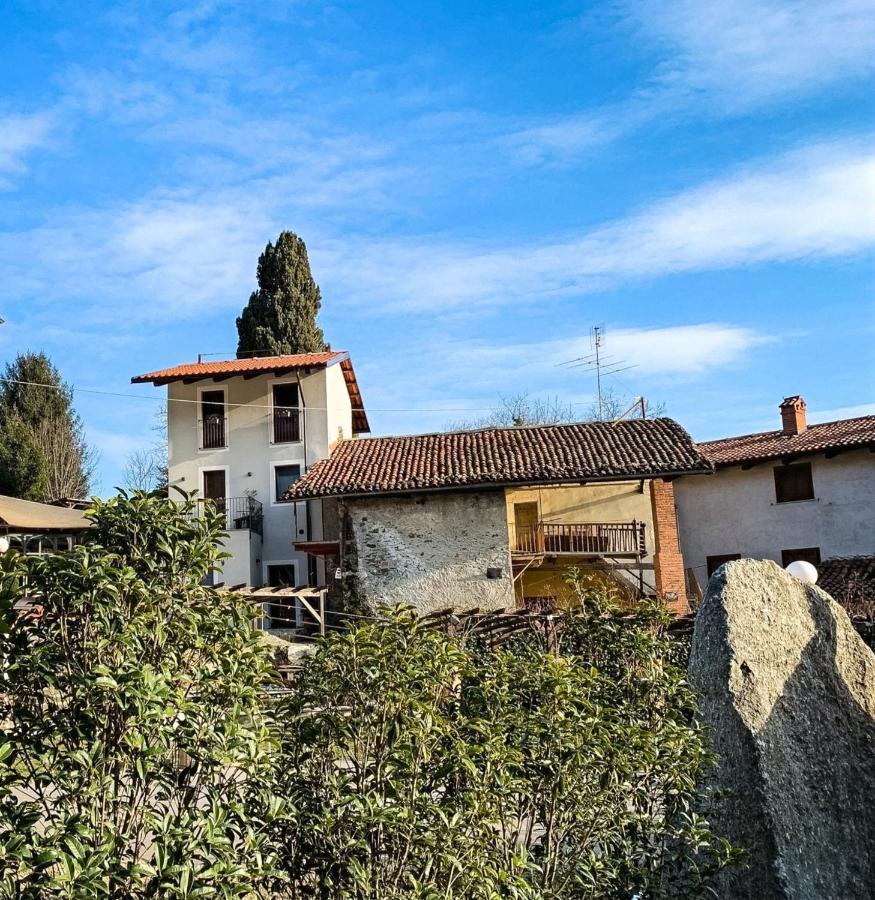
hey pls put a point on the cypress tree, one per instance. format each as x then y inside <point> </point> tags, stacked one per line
<point>281,315</point>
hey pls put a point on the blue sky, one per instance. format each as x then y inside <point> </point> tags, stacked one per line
<point>477,183</point>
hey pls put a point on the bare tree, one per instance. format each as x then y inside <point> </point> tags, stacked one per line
<point>71,463</point>
<point>146,468</point>
<point>614,403</point>
<point>523,409</point>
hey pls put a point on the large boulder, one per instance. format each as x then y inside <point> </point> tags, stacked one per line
<point>788,687</point>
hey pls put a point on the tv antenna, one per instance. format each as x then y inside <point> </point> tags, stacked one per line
<point>603,364</point>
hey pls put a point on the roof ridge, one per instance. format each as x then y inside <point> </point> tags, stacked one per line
<point>777,432</point>
<point>510,428</point>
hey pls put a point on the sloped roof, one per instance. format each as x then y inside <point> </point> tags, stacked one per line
<point>547,454</point>
<point>267,365</point>
<point>25,515</point>
<point>848,577</point>
<point>840,435</point>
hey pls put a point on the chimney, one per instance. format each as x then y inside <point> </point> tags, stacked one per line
<point>793,415</point>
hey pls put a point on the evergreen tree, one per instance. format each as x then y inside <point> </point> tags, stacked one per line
<point>43,452</point>
<point>281,315</point>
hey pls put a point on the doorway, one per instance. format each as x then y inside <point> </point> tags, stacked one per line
<point>525,517</point>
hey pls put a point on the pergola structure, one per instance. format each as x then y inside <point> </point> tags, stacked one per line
<point>39,528</point>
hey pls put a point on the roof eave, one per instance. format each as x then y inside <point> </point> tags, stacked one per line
<point>794,454</point>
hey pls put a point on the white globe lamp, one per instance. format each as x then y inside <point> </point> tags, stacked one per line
<point>4,544</point>
<point>803,570</point>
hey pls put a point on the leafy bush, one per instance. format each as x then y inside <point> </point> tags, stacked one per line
<point>140,755</point>
<point>422,767</point>
<point>132,723</point>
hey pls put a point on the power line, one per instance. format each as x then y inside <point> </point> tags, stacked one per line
<point>154,399</point>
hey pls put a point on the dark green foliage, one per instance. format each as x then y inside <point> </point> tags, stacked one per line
<point>141,756</point>
<point>281,315</point>
<point>132,724</point>
<point>421,767</point>
<point>23,469</point>
<point>34,404</point>
<point>43,453</point>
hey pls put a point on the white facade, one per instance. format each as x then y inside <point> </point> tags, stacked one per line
<point>249,459</point>
<point>735,511</point>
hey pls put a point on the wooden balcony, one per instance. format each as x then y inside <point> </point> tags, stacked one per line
<point>580,539</point>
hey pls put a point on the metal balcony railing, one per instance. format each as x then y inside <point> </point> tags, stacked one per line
<point>213,433</point>
<point>583,539</point>
<point>241,513</point>
<point>286,425</point>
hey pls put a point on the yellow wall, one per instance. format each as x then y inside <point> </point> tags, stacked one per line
<point>573,504</point>
<point>577,504</point>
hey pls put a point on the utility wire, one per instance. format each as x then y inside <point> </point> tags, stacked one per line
<point>127,396</point>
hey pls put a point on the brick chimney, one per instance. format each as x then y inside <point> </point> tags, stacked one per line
<point>793,415</point>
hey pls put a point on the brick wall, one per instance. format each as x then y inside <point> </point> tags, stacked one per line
<point>668,562</point>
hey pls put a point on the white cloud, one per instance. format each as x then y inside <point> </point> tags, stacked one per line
<point>19,135</point>
<point>723,57</point>
<point>675,350</point>
<point>172,254</point>
<point>809,204</point>
<point>841,412</point>
<point>747,51</point>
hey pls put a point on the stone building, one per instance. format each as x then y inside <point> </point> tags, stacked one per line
<point>803,492</point>
<point>496,517</point>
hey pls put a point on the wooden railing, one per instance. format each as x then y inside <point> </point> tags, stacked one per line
<point>589,538</point>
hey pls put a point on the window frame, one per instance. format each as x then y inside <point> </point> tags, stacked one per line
<point>274,464</point>
<point>786,468</point>
<point>275,382</point>
<point>199,422</point>
<point>792,555</point>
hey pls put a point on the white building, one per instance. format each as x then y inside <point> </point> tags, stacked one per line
<point>240,432</point>
<point>803,492</point>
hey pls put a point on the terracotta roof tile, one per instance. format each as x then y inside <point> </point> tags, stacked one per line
<point>504,456</point>
<point>240,366</point>
<point>844,434</point>
<point>257,365</point>
<point>848,577</point>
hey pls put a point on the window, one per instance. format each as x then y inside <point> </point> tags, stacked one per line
<point>793,483</point>
<point>284,477</point>
<point>212,419</point>
<point>286,415</point>
<point>714,562</point>
<point>805,554</point>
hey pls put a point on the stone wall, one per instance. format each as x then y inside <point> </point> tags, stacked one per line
<point>431,551</point>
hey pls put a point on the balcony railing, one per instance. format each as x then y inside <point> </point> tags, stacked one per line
<point>286,425</point>
<point>582,539</point>
<point>212,433</point>
<point>241,513</point>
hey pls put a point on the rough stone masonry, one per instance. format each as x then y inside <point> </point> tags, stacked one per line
<point>433,551</point>
<point>788,687</point>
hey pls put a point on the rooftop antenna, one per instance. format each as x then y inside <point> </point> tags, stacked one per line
<point>603,363</point>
